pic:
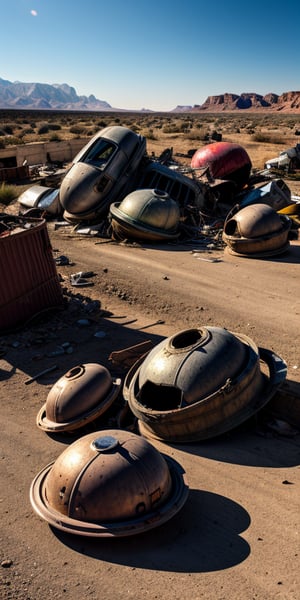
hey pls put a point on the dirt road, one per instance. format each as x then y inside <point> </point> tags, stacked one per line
<point>187,287</point>
<point>237,537</point>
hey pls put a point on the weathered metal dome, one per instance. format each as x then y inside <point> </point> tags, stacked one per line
<point>109,483</point>
<point>78,397</point>
<point>258,231</point>
<point>147,214</point>
<point>200,383</point>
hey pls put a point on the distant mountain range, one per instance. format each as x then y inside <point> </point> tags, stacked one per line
<point>40,96</point>
<point>288,102</point>
<point>45,96</point>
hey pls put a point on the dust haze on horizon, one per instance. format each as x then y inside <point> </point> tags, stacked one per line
<point>152,56</point>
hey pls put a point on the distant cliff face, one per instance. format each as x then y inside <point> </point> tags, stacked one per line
<point>288,102</point>
<point>20,95</point>
<point>291,99</point>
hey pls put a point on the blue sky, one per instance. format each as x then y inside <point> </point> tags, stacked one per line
<point>152,55</point>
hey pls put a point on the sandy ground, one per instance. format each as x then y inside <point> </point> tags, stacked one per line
<point>237,536</point>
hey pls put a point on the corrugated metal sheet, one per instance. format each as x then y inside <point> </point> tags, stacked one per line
<point>29,280</point>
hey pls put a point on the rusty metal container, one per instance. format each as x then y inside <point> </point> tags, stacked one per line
<point>28,273</point>
<point>201,383</point>
<point>109,483</point>
<point>257,231</point>
<point>80,396</point>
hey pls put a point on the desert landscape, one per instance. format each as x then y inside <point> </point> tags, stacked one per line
<point>237,536</point>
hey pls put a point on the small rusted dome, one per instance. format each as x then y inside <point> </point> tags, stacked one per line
<point>109,483</point>
<point>146,214</point>
<point>198,384</point>
<point>78,397</point>
<point>257,230</point>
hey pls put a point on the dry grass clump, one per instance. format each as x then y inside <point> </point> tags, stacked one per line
<point>8,193</point>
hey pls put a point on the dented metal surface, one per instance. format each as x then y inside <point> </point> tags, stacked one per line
<point>146,215</point>
<point>42,197</point>
<point>80,396</point>
<point>200,383</point>
<point>258,231</point>
<point>109,483</point>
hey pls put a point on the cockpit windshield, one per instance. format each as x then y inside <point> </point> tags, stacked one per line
<point>100,153</point>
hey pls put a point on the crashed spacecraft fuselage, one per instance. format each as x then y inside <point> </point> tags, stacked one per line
<point>101,173</point>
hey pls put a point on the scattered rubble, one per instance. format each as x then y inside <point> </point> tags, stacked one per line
<point>288,160</point>
<point>214,206</point>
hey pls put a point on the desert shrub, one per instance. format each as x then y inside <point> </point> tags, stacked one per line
<point>2,144</point>
<point>65,120</point>
<point>13,141</point>
<point>152,123</point>
<point>43,129</point>
<point>8,193</point>
<point>54,137</point>
<point>219,121</point>
<point>54,126</point>
<point>149,134</point>
<point>101,124</point>
<point>77,129</point>
<point>290,123</point>
<point>195,134</point>
<point>265,138</point>
<point>8,129</point>
<point>134,127</point>
<point>170,128</point>
<point>91,132</point>
<point>27,131</point>
<point>177,126</point>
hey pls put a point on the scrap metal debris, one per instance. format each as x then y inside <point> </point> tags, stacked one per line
<point>219,177</point>
<point>212,260</point>
<point>128,356</point>
<point>288,160</point>
<point>81,279</point>
<point>40,374</point>
<point>63,261</point>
